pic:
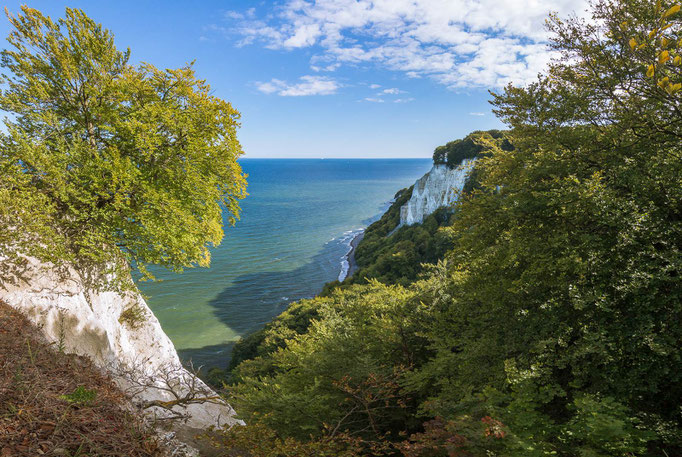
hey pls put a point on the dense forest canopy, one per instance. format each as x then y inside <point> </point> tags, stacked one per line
<point>553,325</point>
<point>455,152</point>
<point>104,162</point>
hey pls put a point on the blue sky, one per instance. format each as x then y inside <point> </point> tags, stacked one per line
<point>339,78</point>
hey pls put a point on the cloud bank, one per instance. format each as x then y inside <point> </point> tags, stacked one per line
<point>458,43</point>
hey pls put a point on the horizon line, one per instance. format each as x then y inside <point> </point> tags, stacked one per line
<point>334,158</point>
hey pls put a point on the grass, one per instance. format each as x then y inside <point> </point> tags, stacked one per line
<point>52,403</point>
<point>133,316</point>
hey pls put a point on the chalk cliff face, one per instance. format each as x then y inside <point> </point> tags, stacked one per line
<point>437,188</point>
<point>133,348</point>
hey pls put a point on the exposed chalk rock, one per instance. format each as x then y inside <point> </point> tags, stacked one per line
<point>138,354</point>
<point>437,188</point>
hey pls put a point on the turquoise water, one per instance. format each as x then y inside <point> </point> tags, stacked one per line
<point>295,229</point>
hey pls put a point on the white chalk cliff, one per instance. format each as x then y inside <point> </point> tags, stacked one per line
<point>437,188</point>
<point>138,354</point>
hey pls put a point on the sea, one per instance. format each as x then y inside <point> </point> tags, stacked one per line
<point>293,236</point>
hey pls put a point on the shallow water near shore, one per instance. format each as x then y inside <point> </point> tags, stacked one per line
<point>295,231</point>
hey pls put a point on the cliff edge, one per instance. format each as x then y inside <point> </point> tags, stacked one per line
<point>120,334</point>
<point>437,188</point>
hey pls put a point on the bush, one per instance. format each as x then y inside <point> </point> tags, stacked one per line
<point>133,316</point>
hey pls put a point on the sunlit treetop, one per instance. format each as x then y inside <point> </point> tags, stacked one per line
<point>109,163</point>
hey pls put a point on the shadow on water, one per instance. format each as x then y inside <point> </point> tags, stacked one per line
<point>252,300</point>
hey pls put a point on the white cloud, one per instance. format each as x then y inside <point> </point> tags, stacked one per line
<point>330,67</point>
<point>393,91</point>
<point>374,86</point>
<point>476,114</point>
<point>459,43</point>
<point>403,100</point>
<point>234,15</point>
<point>374,100</point>
<point>307,85</point>
<point>304,36</point>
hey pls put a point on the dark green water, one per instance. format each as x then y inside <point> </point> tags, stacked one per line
<point>294,232</point>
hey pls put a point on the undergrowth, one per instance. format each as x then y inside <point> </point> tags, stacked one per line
<point>52,403</point>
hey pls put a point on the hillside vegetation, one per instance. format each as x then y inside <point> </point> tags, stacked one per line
<point>52,403</point>
<point>387,253</point>
<point>552,324</point>
<point>394,255</point>
<point>470,147</point>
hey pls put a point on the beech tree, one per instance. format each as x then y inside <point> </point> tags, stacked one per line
<point>565,317</point>
<point>108,163</point>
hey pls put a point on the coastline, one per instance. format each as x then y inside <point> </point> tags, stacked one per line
<point>348,264</point>
<point>350,256</point>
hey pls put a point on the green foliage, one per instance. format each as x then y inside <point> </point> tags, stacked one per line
<point>80,396</point>
<point>566,262</point>
<point>294,321</point>
<point>133,316</point>
<point>107,163</point>
<point>470,147</point>
<point>556,314</point>
<point>261,441</point>
<point>343,373</point>
<point>603,427</point>
<point>397,259</point>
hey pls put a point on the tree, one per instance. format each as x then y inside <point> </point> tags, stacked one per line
<point>567,299</point>
<point>455,152</point>
<point>341,375</point>
<point>107,163</point>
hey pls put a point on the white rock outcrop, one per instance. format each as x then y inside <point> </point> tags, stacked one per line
<point>437,188</point>
<point>138,354</point>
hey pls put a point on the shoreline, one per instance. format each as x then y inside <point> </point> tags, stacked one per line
<point>350,257</point>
